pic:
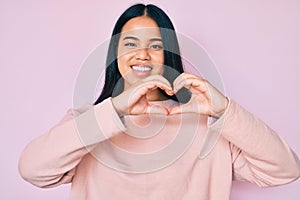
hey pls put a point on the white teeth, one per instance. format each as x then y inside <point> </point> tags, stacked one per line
<point>142,68</point>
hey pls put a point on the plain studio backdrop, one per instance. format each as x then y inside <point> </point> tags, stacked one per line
<point>254,44</point>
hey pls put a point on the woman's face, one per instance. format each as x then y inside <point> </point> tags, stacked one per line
<point>140,50</point>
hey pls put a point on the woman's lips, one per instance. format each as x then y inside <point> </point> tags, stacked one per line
<point>141,70</point>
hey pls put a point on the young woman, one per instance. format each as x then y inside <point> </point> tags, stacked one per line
<point>107,152</point>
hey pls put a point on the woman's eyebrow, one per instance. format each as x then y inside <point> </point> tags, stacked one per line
<point>155,39</point>
<point>130,38</point>
<point>135,38</point>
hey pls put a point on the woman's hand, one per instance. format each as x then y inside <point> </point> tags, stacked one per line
<point>133,101</point>
<point>205,99</point>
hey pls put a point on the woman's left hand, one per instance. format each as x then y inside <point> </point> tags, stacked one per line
<point>205,98</point>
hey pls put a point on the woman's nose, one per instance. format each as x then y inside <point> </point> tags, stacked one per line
<point>142,54</point>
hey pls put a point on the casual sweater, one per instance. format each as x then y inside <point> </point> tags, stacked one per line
<point>157,157</point>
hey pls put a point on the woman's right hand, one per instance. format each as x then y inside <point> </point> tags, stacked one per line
<point>133,101</point>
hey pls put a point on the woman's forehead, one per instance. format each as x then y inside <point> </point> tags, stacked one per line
<point>139,22</point>
<point>140,27</point>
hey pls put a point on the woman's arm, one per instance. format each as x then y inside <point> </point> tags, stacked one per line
<point>259,154</point>
<point>51,159</point>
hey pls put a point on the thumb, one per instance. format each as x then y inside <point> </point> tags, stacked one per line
<point>157,109</point>
<point>185,108</point>
<point>176,110</point>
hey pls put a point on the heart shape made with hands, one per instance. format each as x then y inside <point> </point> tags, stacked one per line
<point>181,97</point>
<point>194,94</point>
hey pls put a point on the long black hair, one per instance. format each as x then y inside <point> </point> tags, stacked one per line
<point>172,56</point>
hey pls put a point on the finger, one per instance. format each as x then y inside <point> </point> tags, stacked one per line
<point>181,81</point>
<point>140,91</point>
<point>190,107</point>
<point>175,110</point>
<point>178,79</point>
<point>198,84</point>
<point>157,109</point>
<point>195,85</point>
<point>166,86</point>
<point>158,78</point>
<point>182,109</point>
<point>184,76</point>
<point>153,84</point>
<point>139,108</point>
<point>142,87</point>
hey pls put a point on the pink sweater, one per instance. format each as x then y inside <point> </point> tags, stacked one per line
<point>178,157</point>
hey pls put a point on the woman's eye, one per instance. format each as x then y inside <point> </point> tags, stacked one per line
<point>130,44</point>
<point>156,46</point>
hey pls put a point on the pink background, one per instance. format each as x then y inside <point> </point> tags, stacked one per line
<point>255,45</point>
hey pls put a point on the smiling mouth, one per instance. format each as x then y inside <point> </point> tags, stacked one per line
<point>141,68</point>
